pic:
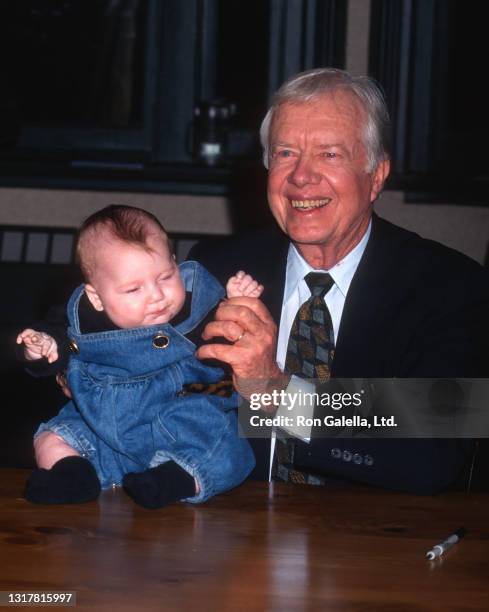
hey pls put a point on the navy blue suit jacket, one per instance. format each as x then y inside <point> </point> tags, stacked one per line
<point>414,309</point>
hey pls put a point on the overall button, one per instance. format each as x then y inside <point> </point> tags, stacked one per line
<point>74,347</point>
<point>160,340</point>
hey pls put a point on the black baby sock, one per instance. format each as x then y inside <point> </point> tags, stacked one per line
<point>71,480</point>
<point>159,486</point>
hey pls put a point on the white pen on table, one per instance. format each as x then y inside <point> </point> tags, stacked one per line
<point>439,549</point>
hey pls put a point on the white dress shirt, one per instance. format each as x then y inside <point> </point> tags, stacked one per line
<point>297,292</point>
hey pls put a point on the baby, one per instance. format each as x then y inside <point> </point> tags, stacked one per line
<point>132,420</point>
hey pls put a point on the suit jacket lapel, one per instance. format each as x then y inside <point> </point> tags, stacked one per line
<point>367,306</point>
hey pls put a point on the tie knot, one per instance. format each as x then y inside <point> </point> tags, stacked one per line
<point>319,283</point>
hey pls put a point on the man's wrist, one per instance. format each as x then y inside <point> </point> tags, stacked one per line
<point>266,386</point>
<point>269,392</point>
<point>278,384</point>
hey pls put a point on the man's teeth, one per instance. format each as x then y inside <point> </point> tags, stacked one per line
<point>307,204</point>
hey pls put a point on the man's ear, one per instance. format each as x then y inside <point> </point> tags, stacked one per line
<point>94,298</point>
<point>379,177</point>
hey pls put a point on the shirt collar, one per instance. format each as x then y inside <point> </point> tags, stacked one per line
<point>341,273</point>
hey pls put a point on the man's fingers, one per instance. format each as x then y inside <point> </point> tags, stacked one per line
<point>222,329</point>
<point>222,352</point>
<point>251,319</point>
<point>252,356</point>
<point>256,306</point>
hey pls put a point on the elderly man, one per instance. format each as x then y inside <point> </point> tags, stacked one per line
<point>397,305</point>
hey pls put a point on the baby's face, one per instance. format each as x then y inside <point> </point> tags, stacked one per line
<point>136,287</point>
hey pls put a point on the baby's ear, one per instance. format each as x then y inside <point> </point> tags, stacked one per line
<point>94,298</point>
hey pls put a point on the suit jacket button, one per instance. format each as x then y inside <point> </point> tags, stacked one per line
<point>368,460</point>
<point>160,340</point>
<point>358,459</point>
<point>346,455</point>
<point>335,453</point>
<point>74,346</point>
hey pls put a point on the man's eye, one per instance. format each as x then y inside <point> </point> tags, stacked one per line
<point>330,154</point>
<point>283,153</point>
<point>131,290</point>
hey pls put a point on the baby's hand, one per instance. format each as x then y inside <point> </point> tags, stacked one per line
<point>38,345</point>
<point>242,284</point>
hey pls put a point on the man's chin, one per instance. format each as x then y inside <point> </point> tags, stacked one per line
<point>304,233</point>
<point>308,239</point>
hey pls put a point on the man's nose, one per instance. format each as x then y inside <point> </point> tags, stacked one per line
<point>304,172</point>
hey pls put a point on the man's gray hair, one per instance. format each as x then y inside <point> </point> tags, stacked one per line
<point>312,84</point>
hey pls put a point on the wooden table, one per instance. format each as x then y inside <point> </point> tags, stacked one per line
<point>259,547</point>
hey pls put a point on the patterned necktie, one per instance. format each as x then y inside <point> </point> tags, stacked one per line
<point>310,352</point>
<point>311,345</point>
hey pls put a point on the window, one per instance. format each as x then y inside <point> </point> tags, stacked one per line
<point>107,90</point>
<point>74,74</point>
<point>429,55</point>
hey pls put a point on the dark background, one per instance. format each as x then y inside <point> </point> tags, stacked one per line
<point>103,93</point>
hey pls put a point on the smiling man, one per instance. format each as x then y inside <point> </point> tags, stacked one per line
<point>393,303</point>
<point>320,183</point>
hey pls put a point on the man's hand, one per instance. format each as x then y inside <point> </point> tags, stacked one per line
<point>246,322</point>
<point>37,345</point>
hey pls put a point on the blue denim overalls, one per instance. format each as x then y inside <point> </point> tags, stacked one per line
<point>129,412</point>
